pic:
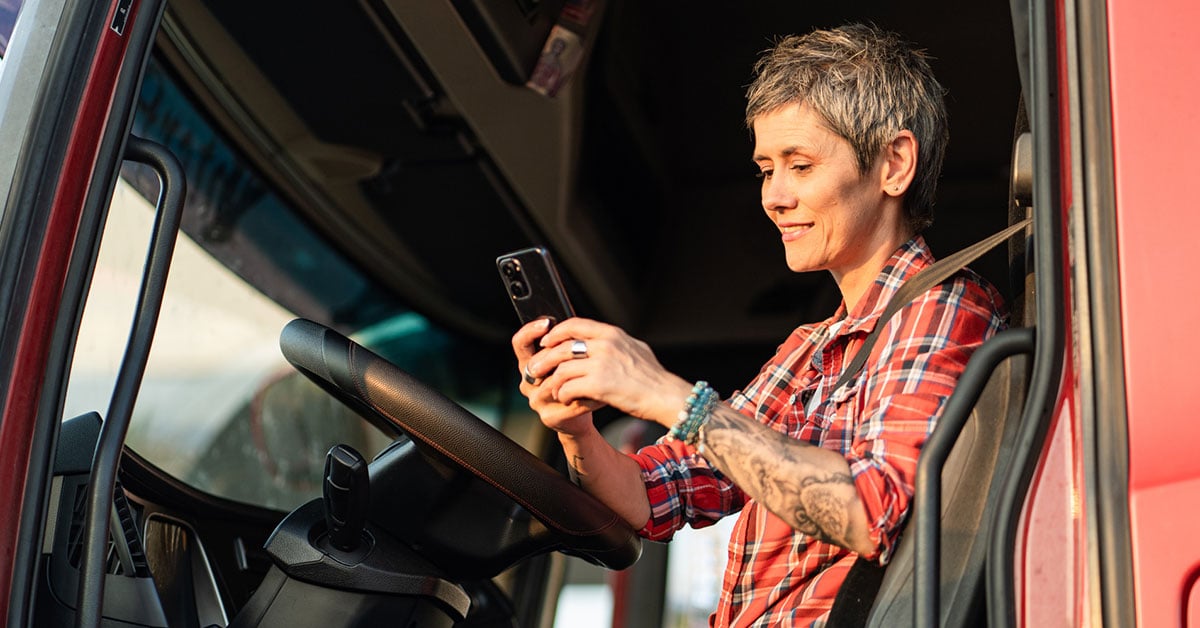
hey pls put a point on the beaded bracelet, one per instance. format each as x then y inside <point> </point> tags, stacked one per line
<point>695,413</point>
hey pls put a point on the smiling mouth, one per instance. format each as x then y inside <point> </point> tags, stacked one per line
<point>791,232</point>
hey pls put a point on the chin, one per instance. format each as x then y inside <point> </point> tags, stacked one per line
<point>799,264</point>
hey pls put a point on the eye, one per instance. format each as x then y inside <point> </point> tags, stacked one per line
<point>801,167</point>
<point>763,174</point>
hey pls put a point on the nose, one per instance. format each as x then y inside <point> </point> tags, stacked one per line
<point>777,194</point>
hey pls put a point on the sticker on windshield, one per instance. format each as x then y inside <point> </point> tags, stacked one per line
<point>559,58</point>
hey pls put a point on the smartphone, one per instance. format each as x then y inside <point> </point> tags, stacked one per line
<point>534,286</point>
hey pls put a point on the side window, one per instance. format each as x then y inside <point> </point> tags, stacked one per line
<point>8,19</point>
<point>219,407</point>
<point>695,565</point>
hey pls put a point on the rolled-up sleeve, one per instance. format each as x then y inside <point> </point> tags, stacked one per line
<point>683,490</point>
<point>682,487</point>
<point>908,380</point>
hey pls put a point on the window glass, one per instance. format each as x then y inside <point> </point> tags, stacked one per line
<point>219,407</point>
<point>695,566</point>
<point>8,19</point>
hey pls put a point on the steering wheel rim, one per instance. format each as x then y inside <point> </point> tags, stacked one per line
<point>382,392</point>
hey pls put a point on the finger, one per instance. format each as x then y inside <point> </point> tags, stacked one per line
<point>524,342</point>
<point>573,351</point>
<point>529,382</point>
<point>545,362</point>
<point>590,405</point>
<point>571,390</point>
<point>582,378</point>
<point>544,394</point>
<point>549,410</point>
<point>541,402</point>
<point>576,328</point>
<point>559,412</point>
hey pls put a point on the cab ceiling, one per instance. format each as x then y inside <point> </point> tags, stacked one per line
<point>402,131</point>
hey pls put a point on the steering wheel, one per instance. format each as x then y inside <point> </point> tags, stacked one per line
<point>450,438</point>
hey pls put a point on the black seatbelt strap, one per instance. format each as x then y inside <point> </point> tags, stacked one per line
<point>929,277</point>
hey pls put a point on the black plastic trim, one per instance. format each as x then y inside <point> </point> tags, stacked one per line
<point>406,52</point>
<point>928,490</point>
<point>1049,268</point>
<point>232,532</point>
<point>129,378</point>
<point>1107,459</point>
<point>384,565</point>
<point>147,482</point>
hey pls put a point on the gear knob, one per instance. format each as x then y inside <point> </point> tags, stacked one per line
<point>346,495</point>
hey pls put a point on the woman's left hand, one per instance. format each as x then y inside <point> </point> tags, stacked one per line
<point>612,368</point>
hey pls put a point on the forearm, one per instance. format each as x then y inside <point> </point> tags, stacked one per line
<point>609,475</point>
<point>808,487</point>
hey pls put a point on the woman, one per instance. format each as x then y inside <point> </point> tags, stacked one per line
<point>849,130</point>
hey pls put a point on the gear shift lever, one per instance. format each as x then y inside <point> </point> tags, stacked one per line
<point>346,493</point>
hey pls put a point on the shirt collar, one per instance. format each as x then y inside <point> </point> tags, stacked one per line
<point>908,260</point>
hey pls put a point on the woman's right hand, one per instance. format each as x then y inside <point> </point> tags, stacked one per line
<point>574,418</point>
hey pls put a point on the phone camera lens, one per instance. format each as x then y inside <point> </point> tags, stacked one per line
<point>518,289</point>
<point>510,268</point>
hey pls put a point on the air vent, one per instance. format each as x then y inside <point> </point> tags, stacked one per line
<point>75,538</point>
<point>126,558</point>
<point>129,532</point>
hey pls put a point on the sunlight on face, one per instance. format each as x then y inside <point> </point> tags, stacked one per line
<point>829,215</point>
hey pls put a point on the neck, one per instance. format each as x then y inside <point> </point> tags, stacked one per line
<point>854,282</point>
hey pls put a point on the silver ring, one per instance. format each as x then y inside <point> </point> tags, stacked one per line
<point>579,349</point>
<point>529,378</point>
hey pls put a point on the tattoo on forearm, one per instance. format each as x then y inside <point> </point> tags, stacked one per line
<point>573,469</point>
<point>821,511</point>
<point>768,466</point>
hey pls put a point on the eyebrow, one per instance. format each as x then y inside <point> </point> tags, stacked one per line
<point>787,152</point>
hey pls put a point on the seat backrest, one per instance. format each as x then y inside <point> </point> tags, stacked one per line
<point>970,483</point>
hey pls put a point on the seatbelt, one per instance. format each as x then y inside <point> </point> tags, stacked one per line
<point>918,284</point>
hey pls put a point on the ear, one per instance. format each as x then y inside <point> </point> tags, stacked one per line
<point>899,163</point>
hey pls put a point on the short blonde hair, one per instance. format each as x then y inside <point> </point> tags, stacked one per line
<point>868,85</point>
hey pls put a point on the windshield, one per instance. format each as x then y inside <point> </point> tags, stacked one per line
<point>219,407</point>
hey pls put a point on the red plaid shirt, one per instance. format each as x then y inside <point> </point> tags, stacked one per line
<point>777,576</point>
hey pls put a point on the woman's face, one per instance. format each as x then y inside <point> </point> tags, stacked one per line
<point>830,216</point>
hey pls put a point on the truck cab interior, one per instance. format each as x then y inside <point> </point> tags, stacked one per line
<point>304,411</point>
